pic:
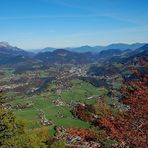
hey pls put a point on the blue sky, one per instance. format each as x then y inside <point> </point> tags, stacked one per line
<point>64,23</point>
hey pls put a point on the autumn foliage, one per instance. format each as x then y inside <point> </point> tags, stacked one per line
<point>83,133</point>
<point>130,128</point>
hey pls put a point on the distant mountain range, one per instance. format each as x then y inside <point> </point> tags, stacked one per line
<point>81,55</point>
<point>62,56</point>
<point>11,54</point>
<point>5,48</point>
<point>97,49</point>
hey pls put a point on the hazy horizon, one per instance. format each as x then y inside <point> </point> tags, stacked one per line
<point>56,47</point>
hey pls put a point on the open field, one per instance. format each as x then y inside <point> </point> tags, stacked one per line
<point>59,115</point>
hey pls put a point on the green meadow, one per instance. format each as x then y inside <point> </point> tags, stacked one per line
<point>59,115</point>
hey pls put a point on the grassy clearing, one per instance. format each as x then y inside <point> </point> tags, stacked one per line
<point>59,115</point>
<point>29,117</point>
<point>81,91</point>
